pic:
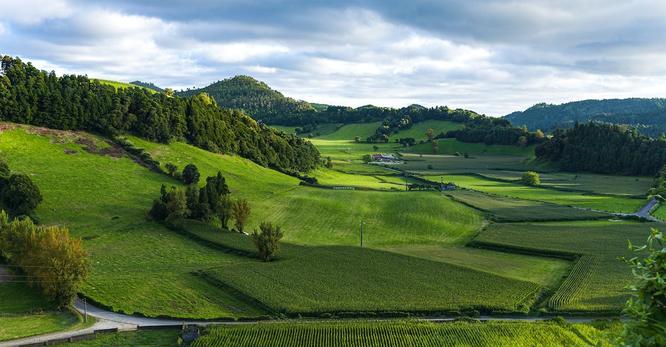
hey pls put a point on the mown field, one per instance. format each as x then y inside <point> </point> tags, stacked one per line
<point>24,312</point>
<point>350,131</point>
<point>405,334</point>
<point>599,279</point>
<point>505,209</point>
<point>520,191</point>
<point>418,130</point>
<point>434,164</point>
<point>583,182</point>
<point>143,338</point>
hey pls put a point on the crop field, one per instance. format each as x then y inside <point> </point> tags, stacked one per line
<point>403,334</point>
<point>143,338</point>
<point>598,281</point>
<point>350,131</point>
<point>544,271</point>
<point>137,265</point>
<point>516,190</point>
<point>592,183</point>
<point>352,279</point>
<point>418,130</point>
<point>504,209</point>
<point>451,146</point>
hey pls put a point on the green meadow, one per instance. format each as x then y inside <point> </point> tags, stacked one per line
<point>418,130</point>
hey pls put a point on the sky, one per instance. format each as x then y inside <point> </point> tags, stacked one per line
<point>491,56</point>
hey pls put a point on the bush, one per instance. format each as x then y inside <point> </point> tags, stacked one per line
<point>20,195</point>
<point>190,174</point>
<point>267,241</point>
<point>531,178</point>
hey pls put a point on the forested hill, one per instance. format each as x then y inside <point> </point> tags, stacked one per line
<point>71,102</point>
<point>647,115</point>
<point>254,97</point>
<point>604,148</point>
<point>148,85</point>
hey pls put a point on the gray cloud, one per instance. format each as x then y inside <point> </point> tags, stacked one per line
<point>491,56</point>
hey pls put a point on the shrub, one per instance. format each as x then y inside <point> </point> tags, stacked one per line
<point>20,195</point>
<point>267,241</point>
<point>531,178</point>
<point>190,174</point>
<point>171,169</point>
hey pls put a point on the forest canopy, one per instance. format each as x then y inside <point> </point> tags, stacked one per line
<point>72,102</point>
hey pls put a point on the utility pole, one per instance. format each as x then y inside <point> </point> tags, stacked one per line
<point>361,234</point>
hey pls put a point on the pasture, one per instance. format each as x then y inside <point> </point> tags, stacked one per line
<point>349,132</point>
<point>599,279</point>
<point>451,146</point>
<point>418,130</point>
<point>566,198</point>
<point>405,334</point>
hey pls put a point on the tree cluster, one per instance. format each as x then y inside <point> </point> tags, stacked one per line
<point>18,194</point>
<point>210,202</point>
<point>70,102</point>
<point>604,148</point>
<point>531,178</point>
<point>495,132</point>
<point>50,258</point>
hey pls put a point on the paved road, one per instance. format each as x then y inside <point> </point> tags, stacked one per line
<point>645,211</point>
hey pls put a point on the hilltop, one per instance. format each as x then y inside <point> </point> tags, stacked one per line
<point>648,115</point>
<point>252,96</point>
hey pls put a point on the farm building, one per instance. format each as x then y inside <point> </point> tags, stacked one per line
<point>384,158</point>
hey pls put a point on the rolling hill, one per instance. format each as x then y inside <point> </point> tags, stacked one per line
<point>648,115</point>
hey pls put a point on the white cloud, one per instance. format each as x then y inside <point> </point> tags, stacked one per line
<point>2,28</point>
<point>237,52</point>
<point>261,69</point>
<point>33,12</point>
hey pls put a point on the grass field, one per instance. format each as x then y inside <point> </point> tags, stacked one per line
<point>316,216</point>
<point>117,85</point>
<point>599,279</point>
<point>337,178</point>
<point>404,334</point>
<point>350,131</point>
<point>660,213</point>
<point>451,146</point>
<point>504,209</point>
<point>349,150</point>
<point>24,312</point>
<point>520,191</point>
<point>137,265</point>
<point>418,130</point>
<point>584,182</point>
<point>429,164</point>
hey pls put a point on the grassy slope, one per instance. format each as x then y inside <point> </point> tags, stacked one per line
<point>318,216</point>
<point>137,265</point>
<point>452,164</point>
<point>404,334</point>
<point>350,131</point>
<point>603,285</point>
<point>418,130</point>
<point>516,190</point>
<point>117,85</point>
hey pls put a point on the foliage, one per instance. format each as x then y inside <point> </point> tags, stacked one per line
<point>148,85</point>
<point>19,195</point>
<point>645,114</point>
<point>72,102</point>
<point>647,306</point>
<point>604,148</point>
<point>190,174</point>
<point>240,211</point>
<point>51,259</point>
<point>531,178</point>
<point>268,240</point>
<point>659,183</point>
<point>400,334</point>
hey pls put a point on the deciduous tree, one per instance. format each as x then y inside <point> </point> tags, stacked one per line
<point>267,240</point>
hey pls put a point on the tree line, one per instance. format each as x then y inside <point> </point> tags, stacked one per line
<point>604,148</point>
<point>72,102</point>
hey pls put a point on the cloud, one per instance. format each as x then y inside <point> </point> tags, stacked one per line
<point>491,56</point>
<point>31,12</point>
